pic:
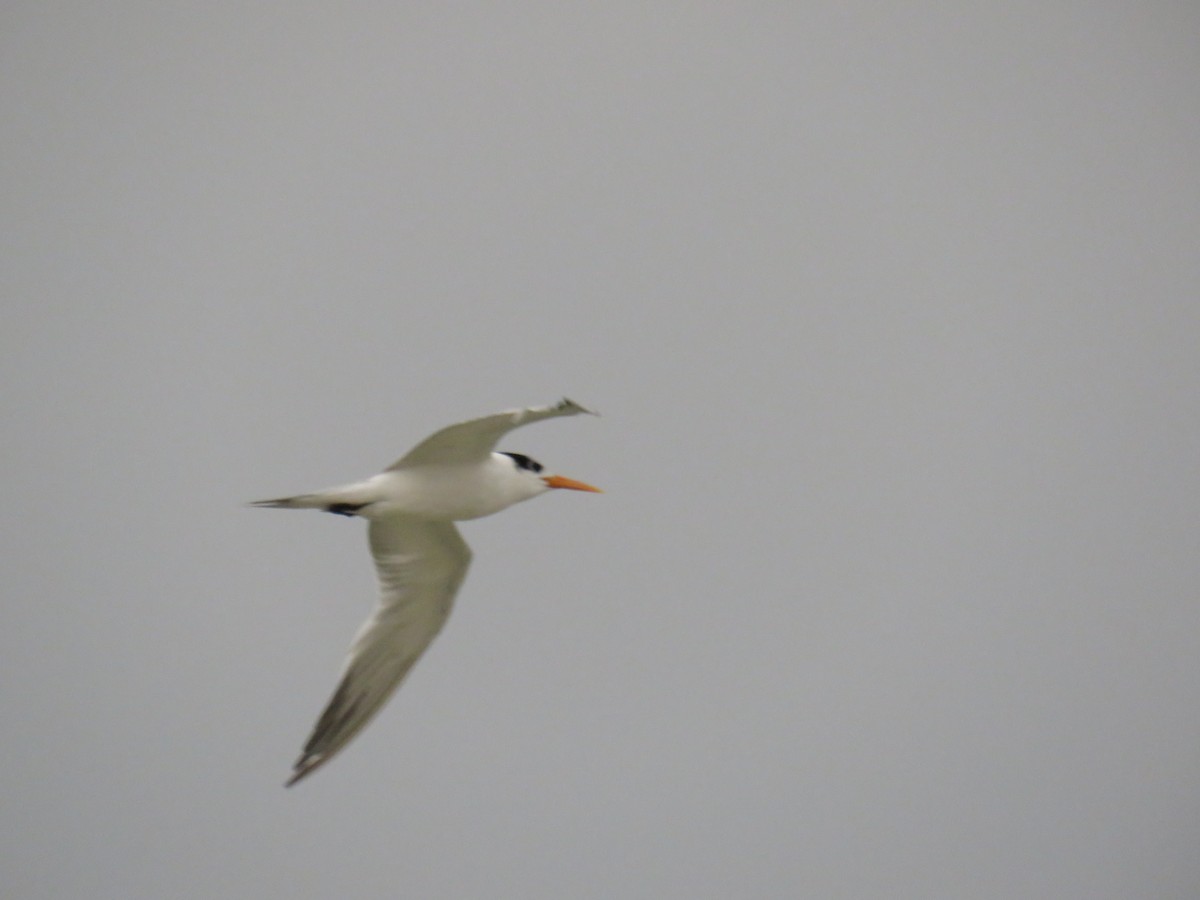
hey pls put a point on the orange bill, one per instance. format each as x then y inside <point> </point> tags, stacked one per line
<point>557,481</point>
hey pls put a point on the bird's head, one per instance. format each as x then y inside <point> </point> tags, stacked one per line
<point>532,470</point>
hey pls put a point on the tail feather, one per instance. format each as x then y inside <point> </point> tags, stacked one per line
<point>300,501</point>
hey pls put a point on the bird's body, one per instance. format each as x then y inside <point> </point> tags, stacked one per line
<point>420,558</point>
<point>446,493</point>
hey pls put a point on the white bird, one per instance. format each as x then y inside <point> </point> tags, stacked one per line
<point>419,555</point>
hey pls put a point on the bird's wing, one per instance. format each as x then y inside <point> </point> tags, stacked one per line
<point>473,440</point>
<point>420,565</point>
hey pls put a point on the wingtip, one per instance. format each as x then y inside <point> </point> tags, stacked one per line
<point>303,767</point>
<point>566,403</point>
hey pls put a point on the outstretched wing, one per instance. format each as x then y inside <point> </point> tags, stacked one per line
<point>473,440</point>
<point>421,565</point>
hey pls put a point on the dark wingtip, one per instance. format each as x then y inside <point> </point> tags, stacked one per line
<point>568,403</point>
<point>304,765</point>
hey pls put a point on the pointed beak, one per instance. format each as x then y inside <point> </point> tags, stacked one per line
<point>557,481</point>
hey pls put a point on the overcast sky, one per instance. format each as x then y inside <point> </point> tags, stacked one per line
<point>892,315</point>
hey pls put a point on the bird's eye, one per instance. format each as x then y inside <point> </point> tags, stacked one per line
<point>524,462</point>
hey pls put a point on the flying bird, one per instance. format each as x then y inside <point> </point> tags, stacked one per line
<point>420,558</point>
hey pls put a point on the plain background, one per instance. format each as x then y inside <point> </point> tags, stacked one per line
<point>891,311</point>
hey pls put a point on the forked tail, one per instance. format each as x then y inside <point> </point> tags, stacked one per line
<point>300,501</point>
<point>330,502</point>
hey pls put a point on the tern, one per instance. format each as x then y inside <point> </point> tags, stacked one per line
<point>420,558</point>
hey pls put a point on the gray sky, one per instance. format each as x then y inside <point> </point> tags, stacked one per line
<point>891,311</point>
